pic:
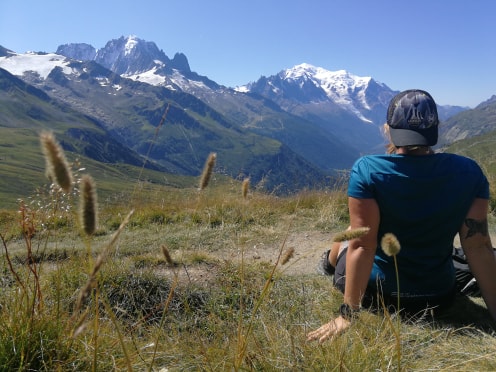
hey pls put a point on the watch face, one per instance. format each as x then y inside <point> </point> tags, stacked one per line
<point>346,311</point>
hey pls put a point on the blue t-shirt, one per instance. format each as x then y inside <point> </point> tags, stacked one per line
<point>423,201</point>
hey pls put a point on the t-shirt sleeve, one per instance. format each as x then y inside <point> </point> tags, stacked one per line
<point>359,185</point>
<point>483,191</point>
<point>480,179</point>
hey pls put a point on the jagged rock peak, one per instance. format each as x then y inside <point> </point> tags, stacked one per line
<point>180,62</point>
<point>131,45</point>
<point>79,51</point>
<point>4,52</point>
<point>127,55</point>
<point>130,55</point>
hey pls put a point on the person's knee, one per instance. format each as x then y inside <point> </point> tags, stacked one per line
<point>340,272</point>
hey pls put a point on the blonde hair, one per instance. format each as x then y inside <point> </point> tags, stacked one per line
<point>391,148</point>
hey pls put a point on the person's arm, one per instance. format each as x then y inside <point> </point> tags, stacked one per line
<point>359,260</point>
<point>361,251</point>
<point>334,253</point>
<point>476,243</point>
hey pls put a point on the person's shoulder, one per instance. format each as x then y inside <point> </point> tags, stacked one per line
<point>460,163</point>
<point>374,158</point>
<point>458,159</point>
<point>369,163</point>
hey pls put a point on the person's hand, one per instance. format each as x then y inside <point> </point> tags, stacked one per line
<point>329,330</point>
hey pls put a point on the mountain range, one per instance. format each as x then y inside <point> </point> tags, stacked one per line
<point>129,103</point>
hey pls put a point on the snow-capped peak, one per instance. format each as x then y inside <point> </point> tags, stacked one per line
<point>40,63</point>
<point>308,84</point>
<point>337,84</point>
<point>132,41</point>
<point>346,89</point>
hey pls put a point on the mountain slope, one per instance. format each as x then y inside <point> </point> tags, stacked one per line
<point>350,107</point>
<point>249,113</point>
<point>139,60</point>
<point>142,61</point>
<point>25,107</point>
<point>327,109</point>
<point>470,123</point>
<point>130,112</point>
<point>291,130</point>
<point>346,105</point>
<point>25,111</point>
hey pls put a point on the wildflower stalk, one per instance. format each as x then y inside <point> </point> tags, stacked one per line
<point>207,170</point>
<point>88,206</point>
<point>391,247</point>
<point>244,187</point>
<point>120,337</point>
<point>57,167</point>
<point>162,320</point>
<point>11,267</point>
<point>288,255</point>
<point>243,337</point>
<point>154,139</point>
<point>350,234</point>
<point>86,290</point>
<point>95,332</point>
<point>167,255</point>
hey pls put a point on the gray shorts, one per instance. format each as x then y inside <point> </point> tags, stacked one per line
<point>340,272</point>
<point>374,299</point>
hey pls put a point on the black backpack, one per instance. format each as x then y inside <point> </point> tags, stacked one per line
<point>465,282</point>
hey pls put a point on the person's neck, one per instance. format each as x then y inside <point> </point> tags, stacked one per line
<point>417,150</point>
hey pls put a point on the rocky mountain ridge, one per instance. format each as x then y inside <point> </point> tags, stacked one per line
<point>350,108</point>
<point>305,121</point>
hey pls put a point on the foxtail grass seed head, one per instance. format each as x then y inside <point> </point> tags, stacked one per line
<point>244,187</point>
<point>390,244</point>
<point>57,167</point>
<point>86,290</point>
<point>167,255</point>
<point>207,170</point>
<point>287,256</point>
<point>88,206</point>
<point>350,234</point>
<point>79,330</point>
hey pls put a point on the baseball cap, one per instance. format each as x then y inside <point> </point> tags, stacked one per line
<point>412,119</point>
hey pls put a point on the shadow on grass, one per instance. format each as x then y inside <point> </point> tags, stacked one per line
<point>467,313</point>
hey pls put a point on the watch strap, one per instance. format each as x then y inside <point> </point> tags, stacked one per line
<point>346,311</point>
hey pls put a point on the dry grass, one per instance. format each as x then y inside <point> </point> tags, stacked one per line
<point>174,289</point>
<point>192,308</point>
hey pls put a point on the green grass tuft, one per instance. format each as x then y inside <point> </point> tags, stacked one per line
<point>220,304</point>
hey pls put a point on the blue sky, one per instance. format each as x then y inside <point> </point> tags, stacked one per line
<point>445,47</point>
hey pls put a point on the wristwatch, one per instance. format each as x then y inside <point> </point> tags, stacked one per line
<point>346,311</point>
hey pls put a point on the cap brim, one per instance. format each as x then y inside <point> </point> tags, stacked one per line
<point>407,137</point>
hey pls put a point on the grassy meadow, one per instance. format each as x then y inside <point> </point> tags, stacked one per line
<point>163,278</point>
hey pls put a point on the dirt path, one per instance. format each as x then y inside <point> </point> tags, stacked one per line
<point>308,248</point>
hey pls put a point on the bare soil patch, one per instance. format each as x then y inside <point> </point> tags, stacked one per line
<point>308,247</point>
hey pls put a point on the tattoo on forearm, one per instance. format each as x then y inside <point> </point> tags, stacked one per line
<point>475,226</point>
